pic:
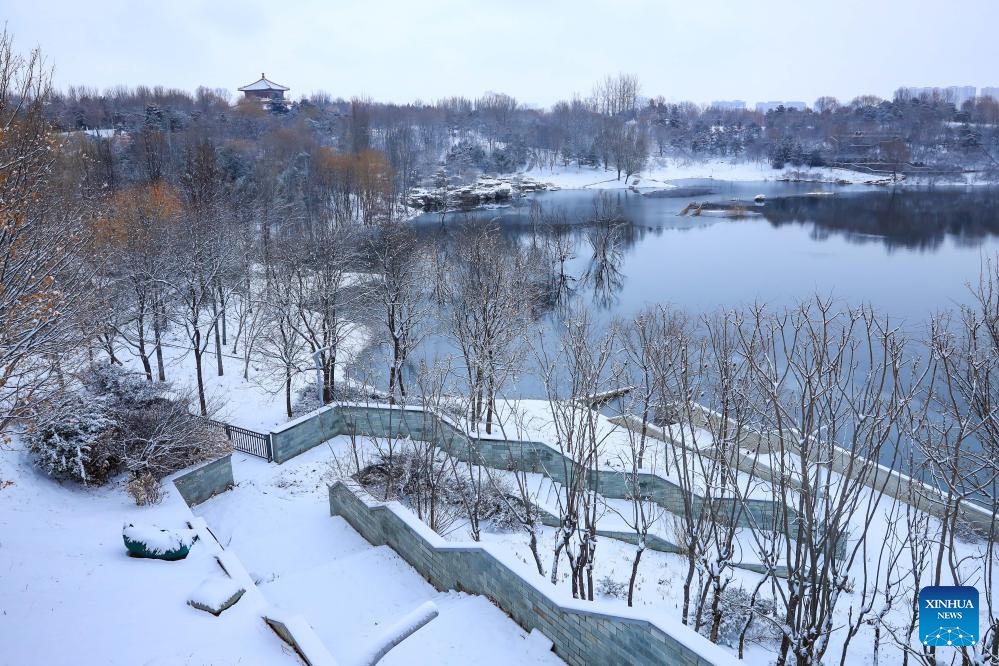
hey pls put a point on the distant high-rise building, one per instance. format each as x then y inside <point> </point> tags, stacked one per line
<point>729,105</point>
<point>763,107</point>
<point>956,95</point>
<point>990,91</point>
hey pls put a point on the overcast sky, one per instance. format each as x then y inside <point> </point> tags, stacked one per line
<point>537,51</point>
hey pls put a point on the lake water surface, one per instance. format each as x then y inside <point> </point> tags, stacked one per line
<point>910,254</point>
<point>907,253</point>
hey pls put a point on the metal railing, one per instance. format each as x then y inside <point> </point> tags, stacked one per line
<point>248,441</point>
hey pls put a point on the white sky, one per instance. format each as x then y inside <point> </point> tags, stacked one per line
<point>538,51</point>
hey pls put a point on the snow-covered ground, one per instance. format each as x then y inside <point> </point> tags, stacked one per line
<point>659,583</point>
<point>256,402</point>
<point>68,589</point>
<point>69,593</point>
<point>65,574</point>
<point>277,519</point>
<point>661,172</point>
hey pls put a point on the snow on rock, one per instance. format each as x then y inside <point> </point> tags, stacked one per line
<point>216,594</point>
<point>484,191</point>
<point>159,541</point>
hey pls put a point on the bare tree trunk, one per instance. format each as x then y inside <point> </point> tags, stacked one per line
<point>198,350</point>
<point>141,334</point>
<point>634,573</point>
<point>159,316</point>
<point>219,349</point>
<point>222,305</point>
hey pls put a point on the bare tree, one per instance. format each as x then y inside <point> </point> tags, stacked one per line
<point>580,366</point>
<point>833,398</point>
<point>400,293</point>
<point>136,236</point>
<point>44,282</point>
<point>321,295</point>
<point>958,437</point>
<point>524,508</point>
<point>203,256</point>
<point>641,337</point>
<point>436,466</point>
<point>616,95</point>
<point>283,351</point>
<point>491,303</point>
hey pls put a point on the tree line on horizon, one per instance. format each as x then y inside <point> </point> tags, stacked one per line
<point>613,127</point>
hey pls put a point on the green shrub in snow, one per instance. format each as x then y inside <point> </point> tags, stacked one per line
<point>77,442</point>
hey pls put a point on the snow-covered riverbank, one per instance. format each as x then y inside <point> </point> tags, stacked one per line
<point>662,171</point>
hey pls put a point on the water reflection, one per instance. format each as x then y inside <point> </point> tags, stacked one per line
<point>608,242</point>
<point>920,220</point>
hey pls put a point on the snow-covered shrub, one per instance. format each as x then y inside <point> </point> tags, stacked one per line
<point>508,159</point>
<point>967,532</point>
<point>115,421</point>
<point>306,398</point>
<point>439,492</point>
<point>77,441</point>
<point>122,388</point>
<point>159,433</point>
<point>498,505</point>
<point>608,587</point>
<point>737,606</point>
<point>145,489</point>
<point>163,436</point>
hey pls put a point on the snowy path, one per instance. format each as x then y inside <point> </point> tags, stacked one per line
<point>277,522</point>
<point>69,593</point>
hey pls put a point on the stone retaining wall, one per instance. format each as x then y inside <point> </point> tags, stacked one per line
<point>206,481</point>
<point>580,634</point>
<point>301,434</point>
<point>529,456</point>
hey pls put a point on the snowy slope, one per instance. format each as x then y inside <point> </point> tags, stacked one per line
<point>68,590</point>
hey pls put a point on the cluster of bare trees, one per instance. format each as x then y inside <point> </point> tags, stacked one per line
<point>42,239</point>
<point>818,445</point>
<point>395,147</point>
<point>786,432</point>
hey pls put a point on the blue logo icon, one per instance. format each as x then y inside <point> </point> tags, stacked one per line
<point>948,615</point>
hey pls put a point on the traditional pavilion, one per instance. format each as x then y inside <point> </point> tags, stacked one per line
<point>264,89</point>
